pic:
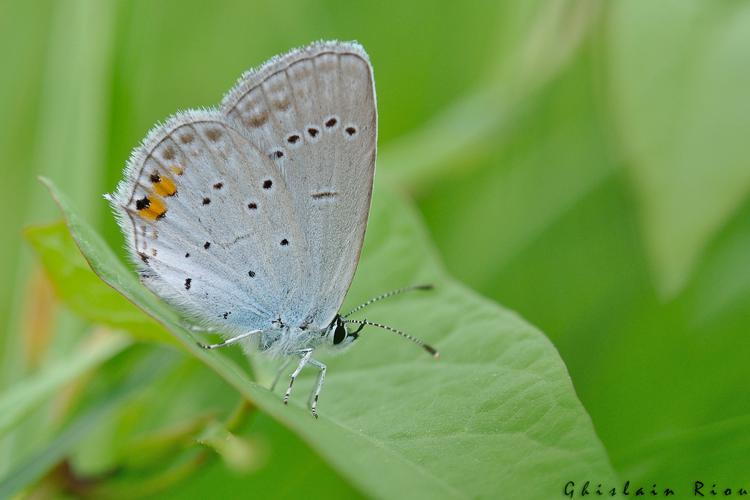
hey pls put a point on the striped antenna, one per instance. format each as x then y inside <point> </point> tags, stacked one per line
<point>387,295</point>
<point>435,354</point>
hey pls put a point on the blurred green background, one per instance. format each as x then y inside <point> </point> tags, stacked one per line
<point>583,163</point>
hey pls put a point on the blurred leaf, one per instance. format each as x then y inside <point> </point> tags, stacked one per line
<point>714,453</point>
<point>240,454</point>
<point>679,75</point>
<point>159,445</point>
<point>286,468</point>
<point>71,134</point>
<point>30,469</point>
<point>83,291</point>
<point>56,123</point>
<point>23,35</point>
<point>151,429</point>
<point>721,286</point>
<point>26,394</point>
<point>499,393</point>
<point>150,436</point>
<point>473,125</point>
<point>555,153</point>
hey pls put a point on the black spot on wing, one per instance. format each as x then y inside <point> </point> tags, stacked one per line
<point>323,194</point>
<point>142,203</point>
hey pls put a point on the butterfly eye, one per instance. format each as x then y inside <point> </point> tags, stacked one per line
<point>339,335</point>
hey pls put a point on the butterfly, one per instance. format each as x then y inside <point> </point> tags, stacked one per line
<point>250,218</point>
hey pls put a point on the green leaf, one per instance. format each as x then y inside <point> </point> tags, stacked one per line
<point>82,290</point>
<point>679,77</point>
<point>657,379</point>
<point>497,412</point>
<point>27,394</point>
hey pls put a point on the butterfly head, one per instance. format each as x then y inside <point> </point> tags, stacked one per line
<point>338,333</point>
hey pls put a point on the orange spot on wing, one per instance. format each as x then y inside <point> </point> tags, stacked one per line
<point>155,209</point>
<point>177,169</point>
<point>163,185</point>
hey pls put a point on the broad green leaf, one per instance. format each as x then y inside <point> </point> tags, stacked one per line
<point>28,393</point>
<point>496,413</point>
<point>649,373</point>
<point>679,75</point>
<point>82,291</point>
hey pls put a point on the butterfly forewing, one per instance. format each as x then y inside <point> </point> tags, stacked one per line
<point>313,113</point>
<point>256,213</point>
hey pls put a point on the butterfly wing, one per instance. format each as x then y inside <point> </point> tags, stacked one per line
<point>313,112</point>
<point>210,222</point>
<point>257,212</point>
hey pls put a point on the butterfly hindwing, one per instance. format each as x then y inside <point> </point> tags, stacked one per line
<point>207,214</point>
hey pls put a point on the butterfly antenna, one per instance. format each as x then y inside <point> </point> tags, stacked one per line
<point>426,347</point>
<point>387,295</point>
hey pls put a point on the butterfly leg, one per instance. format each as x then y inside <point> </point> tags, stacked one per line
<point>305,357</point>
<point>279,372</point>
<point>230,341</point>
<point>318,386</point>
